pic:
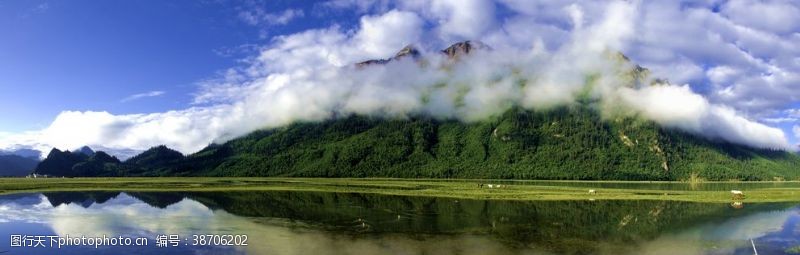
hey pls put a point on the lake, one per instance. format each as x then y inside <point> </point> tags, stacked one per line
<point>349,223</point>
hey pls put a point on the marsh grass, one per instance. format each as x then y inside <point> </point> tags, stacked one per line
<point>467,189</point>
<point>695,178</point>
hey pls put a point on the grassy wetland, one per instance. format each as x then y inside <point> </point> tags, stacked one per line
<point>714,192</point>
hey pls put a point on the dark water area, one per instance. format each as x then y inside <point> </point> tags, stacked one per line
<point>350,223</point>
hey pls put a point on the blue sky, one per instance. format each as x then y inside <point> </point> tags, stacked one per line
<point>92,55</point>
<point>89,55</point>
<point>134,74</point>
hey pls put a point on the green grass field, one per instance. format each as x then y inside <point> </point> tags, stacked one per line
<point>466,189</point>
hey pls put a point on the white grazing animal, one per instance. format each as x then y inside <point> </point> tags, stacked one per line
<point>591,191</point>
<point>490,186</point>
<point>737,194</point>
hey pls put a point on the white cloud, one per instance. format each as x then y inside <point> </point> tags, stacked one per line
<point>796,131</point>
<point>670,105</point>
<point>384,34</point>
<point>284,17</point>
<point>750,63</point>
<point>678,106</point>
<point>774,16</point>
<point>361,6</point>
<point>42,7</point>
<point>463,19</point>
<point>793,112</point>
<point>185,130</point>
<point>133,97</point>
<point>780,120</point>
<point>721,74</point>
<point>259,16</point>
<point>35,10</point>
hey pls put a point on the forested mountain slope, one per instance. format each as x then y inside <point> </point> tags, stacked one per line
<point>564,143</point>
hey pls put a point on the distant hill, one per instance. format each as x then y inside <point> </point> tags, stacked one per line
<point>16,166</point>
<point>27,153</point>
<point>99,163</point>
<point>59,163</point>
<point>154,161</point>
<point>78,163</point>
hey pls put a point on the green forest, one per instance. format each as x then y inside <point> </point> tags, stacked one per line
<point>566,143</point>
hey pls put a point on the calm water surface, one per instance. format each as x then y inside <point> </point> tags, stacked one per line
<point>336,223</point>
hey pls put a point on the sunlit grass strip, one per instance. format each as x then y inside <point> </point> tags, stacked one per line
<point>465,189</point>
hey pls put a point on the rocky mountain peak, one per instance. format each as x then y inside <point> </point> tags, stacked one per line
<point>454,51</point>
<point>463,48</point>
<point>85,150</point>
<point>409,50</point>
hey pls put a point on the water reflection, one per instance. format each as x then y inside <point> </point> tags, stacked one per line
<point>339,223</point>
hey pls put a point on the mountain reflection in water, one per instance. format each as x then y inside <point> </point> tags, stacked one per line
<point>348,223</point>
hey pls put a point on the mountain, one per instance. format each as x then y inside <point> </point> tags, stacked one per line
<point>85,150</point>
<point>78,163</point>
<point>453,52</point>
<point>408,51</point>
<point>564,143</point>
<point>86,162</point>
<point>463,48</point>
<point>571,142</point>
<point>59,163</point>
<point>27,153</point>
<point>154,160</point>
<point>99,164</point>
<point>16,166</point>
<point>18,162</point>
